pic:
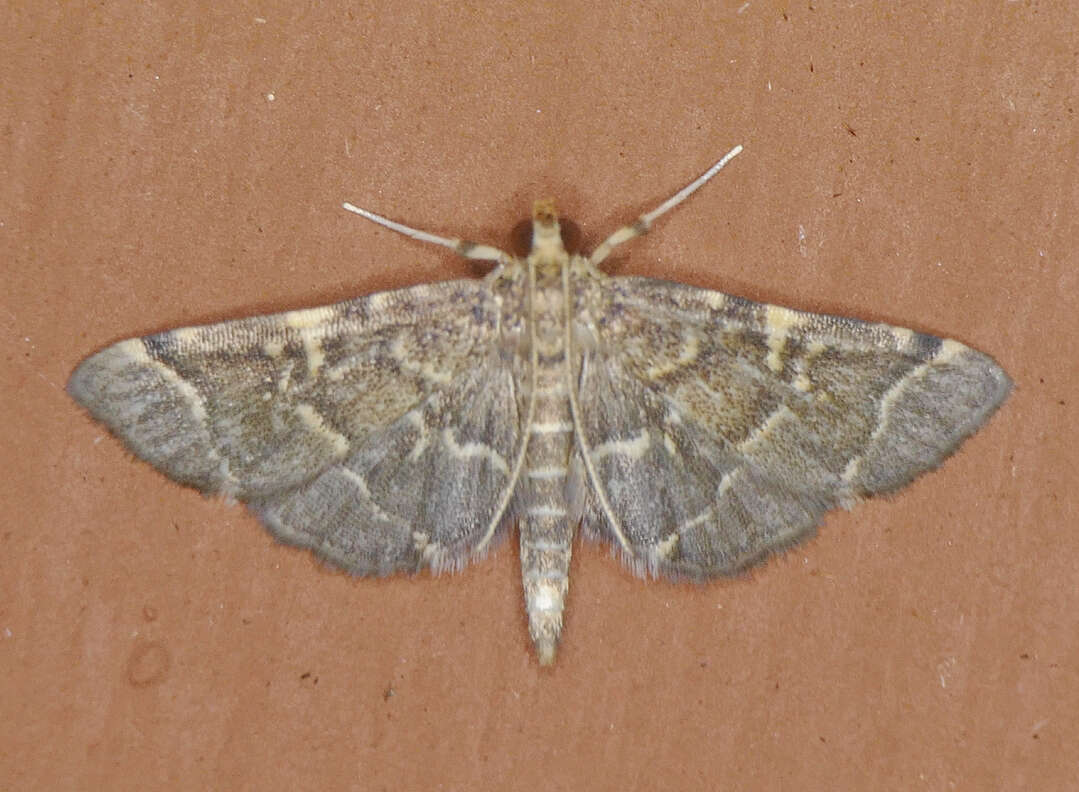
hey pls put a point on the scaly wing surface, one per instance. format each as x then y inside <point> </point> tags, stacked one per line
<point>715,430</point>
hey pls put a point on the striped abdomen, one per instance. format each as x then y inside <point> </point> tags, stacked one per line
<point>546,535</point>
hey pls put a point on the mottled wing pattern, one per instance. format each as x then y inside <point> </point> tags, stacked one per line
<point>333,412</point>
<point>719,430</point>
<point>431,489</point>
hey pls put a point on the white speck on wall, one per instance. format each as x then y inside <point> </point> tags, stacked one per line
<point>270,97</point>
<point>946,670</point>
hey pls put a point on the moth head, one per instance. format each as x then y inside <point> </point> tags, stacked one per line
<point>546,232</point>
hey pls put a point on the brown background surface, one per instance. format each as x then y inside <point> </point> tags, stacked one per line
<point>915,166</point>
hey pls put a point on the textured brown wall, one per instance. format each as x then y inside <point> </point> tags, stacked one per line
<point>916,166</point>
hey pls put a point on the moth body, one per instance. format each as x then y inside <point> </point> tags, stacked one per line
<point>693,431</point>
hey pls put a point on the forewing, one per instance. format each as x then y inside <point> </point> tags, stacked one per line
<point>260,406</point>
<point>715,430</point>
<point>431,489</point>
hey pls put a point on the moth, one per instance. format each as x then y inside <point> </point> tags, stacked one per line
<point>694,431</point>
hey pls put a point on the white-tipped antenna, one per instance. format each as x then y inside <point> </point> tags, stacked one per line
<point>644,222</point>
<point>467,249</point>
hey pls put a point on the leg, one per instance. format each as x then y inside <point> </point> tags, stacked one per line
<point>460,247</point>
<point>644,222</point>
